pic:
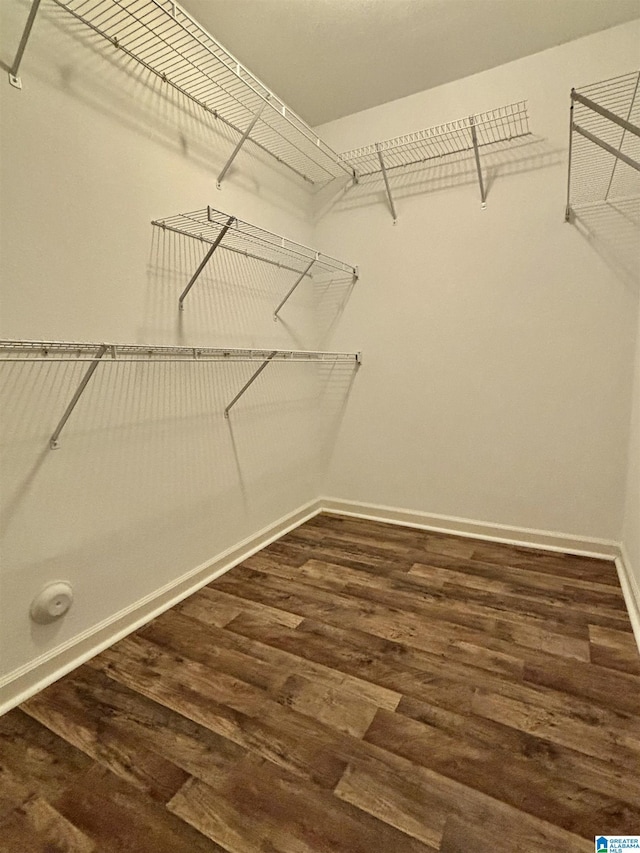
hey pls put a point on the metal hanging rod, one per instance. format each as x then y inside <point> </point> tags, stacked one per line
<point>95,354</point>
<point>227,232</point>
<point>469,134</point>
<point>604,143</point>
<point>165,39</point>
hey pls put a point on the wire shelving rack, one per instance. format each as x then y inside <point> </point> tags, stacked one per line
<point>95,354</point>
<point>604,143</point>
<point>470,134</point>
<point>220,230</point>
<point>166,40</point>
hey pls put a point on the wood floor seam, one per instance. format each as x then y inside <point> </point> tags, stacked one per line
<point>355,686</point>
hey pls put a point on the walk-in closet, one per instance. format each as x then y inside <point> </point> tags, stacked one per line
<point>319,426</point>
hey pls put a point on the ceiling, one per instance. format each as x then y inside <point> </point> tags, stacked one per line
<point>330,58</point>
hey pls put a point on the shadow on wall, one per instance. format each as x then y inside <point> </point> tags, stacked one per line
<point>156,433</point>
<point>148,460</point>
<point>136,543</point>
<point>233,298</point>
<point>499,160</point>
<point>331,298</point>
<point>94,72</point>
<point>335,383</point>
<point>612,229</point>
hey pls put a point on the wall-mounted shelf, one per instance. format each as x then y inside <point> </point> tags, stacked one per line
<point>220,230</point>
<point>93,354</point>
<point>604,143</point>
<point>465,135</point>
<point>166,40</point>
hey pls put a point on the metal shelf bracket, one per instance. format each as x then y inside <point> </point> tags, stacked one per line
<point>205,261</point>
<point>14,79</point>
<point>53,441</point>
<point>386,183</point>
<point>249,383</point>
<point>240,143</point>
<point>297,282</point>
<point>476,151</point>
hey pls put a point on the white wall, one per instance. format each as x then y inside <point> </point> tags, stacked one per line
<point>631,529</point>
<point>499,343</point>
<point>150,480</point>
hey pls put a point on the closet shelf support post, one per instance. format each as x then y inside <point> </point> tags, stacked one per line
<point>476,151</point>
<point>13,71</point>
<point>53,441</point>
<point>241,142</point>
<point>567,211</point>
<point>297,282</point>
<point>386,183</point>
<point>205,261</point>
<point>249,382</point>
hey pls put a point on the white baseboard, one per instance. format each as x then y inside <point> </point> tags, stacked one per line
<point>526,537</point>
<point>20,684</point>
<point>630,590</point>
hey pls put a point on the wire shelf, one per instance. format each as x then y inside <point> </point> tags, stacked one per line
<point>72,351</point>
<point>499,125</point>
<point>220,230</point>
<point>252,241</point>
<point>95,355</point>
<point>604,152</point>
<point>166,40</point>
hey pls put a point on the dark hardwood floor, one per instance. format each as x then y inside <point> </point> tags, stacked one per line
<point>353,687</point>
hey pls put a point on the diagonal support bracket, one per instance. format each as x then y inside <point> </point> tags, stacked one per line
<point>299,279</point>
<point>205,261</point>
<point>241,142</point>
<point>249,383</point>
<point>476,151</point>
<point>386,183</point>
<point>13,71</point>
<point>53,441</point>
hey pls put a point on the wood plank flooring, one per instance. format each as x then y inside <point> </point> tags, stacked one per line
<point>355,687</point>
